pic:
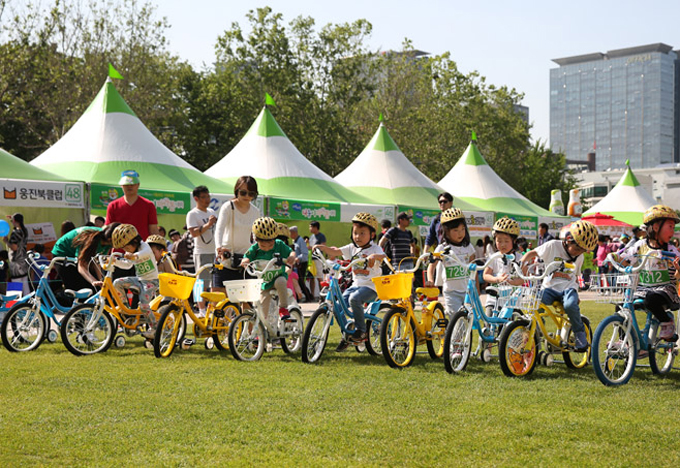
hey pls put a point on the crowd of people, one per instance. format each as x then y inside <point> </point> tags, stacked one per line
<point>239,234</point>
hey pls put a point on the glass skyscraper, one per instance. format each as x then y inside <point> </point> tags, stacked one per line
<point>622,104</point>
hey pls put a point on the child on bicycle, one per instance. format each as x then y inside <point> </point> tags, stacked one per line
<point>658,281</point>
<point>364,230</point>
<point>126,237</point>
<point>266,231</point>
<point>562,285</point>
<point>505,232</point>
<point>453,277</point>
<point>159,248</point>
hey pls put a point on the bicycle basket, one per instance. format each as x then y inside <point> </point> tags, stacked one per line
<point>247,290</point>
<point>176,286</point>
<point>396,286</point>
<point>610,288</point>
<point>505,293</point>
<point>530,296</point>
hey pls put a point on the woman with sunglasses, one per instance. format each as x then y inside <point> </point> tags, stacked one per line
<point>233,230</point>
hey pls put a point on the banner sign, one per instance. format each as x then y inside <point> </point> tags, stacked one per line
<point>421,217</point>
<point>283,208</point>
<point>166,202</point>
<point>479,223</point>
<point>347,211</point>
<point>43,194</point>
<point>528,225</point>
<point>555,225</point>
<point>41,233</point>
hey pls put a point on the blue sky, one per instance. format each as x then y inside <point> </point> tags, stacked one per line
<point>511,43</point>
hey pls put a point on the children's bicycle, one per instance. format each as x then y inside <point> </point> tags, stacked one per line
<point>618,341</point>
<point>257,330</point>
<point>28,322</point>
<point>334,306</point>
<point>458,338</point>
<point>546,324</point>
<point>214,326</point>
<point>91,328</point>
<point>402,330</point>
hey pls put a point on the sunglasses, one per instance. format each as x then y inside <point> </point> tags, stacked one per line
<point>250,193</point>
<point>444,202</point>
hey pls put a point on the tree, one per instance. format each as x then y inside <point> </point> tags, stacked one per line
<point>542,171</point>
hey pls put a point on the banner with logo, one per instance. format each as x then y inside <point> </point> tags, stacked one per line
<point>479,223</point>
<point>43,194</point>
<point>528,225</point>
<point>348,210</point>
<point>284,208</point>
<point>420,217</point>
<point>166,202</point>
<point>41,233</point>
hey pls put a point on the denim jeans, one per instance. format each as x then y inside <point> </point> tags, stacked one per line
<point>569,300</point>
<point>356,296</point>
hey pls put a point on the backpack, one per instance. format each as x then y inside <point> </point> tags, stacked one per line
<point>180,250</point>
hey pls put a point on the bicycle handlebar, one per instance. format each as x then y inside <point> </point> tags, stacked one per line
<point>549,269</point>
<point>333,265</point>
<point>277,261</point>
<point>662,254</point>
<point>31,258</point>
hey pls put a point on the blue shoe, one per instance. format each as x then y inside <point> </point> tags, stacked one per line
<point>581,342</point>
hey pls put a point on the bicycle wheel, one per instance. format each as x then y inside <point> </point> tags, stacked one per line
<point>223,319</point>
<point>246,337</point>
<point>398,338</point>
<point>316,335</point>
<point>373,330</point>
<point>23,328</point>
<point>661,354</point>
<point>291,343</point>
<point>435,345</point>
<point>167,330</point>
<point>458,342</point>
<point>82,335</point>
<point>573,359</point>
<point>614,351</point>
<point>516,358</point>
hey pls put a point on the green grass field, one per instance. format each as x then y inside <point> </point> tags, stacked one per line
<point>127,408</point>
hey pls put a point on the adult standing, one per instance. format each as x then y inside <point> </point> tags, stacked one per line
<point>316,238</point>
<point>435,233</point>
<point>302,258</point>
<point>233,230</point>
<point>543,234</point>
<point>132,208</point>
<point>16,243</point>
<point>402,242</point>
<point>201,224</point>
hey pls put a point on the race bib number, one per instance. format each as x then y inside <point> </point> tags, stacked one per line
<point>654,277</point>
<point>271,276</point>
<point>144,267</point>
<point>456,272</point>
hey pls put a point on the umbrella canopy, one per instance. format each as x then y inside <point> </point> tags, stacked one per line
<point>606,224</point>
<point>627,201</point>
<point>266,153</point>
<point>108,139</point>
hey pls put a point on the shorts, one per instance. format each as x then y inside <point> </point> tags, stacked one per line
<point>199,261</point>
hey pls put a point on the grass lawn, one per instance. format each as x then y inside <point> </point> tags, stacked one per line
<point>127,408</point>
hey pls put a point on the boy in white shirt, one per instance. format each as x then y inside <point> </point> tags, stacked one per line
<point>364,229</point>
<point>201,224</point>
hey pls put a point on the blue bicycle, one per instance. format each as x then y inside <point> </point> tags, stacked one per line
<point>618,341</point>
<point>334,306</point>
<point>472,316</point>
<point>28,322</point>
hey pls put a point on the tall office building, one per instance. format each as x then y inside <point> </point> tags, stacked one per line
<point>624,104</point>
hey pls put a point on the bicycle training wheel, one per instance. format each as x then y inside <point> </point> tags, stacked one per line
<point>517,358</point>
<point>398,338</point>
<point>458,342</point>
<point>23,328</point>
<point>614,352</point>
<point>82,335</point>
<point>316,335</point>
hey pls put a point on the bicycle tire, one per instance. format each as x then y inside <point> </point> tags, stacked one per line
<point>373,330</point>
<point>661,354</point>
<point>78,339</point>
<point>573,359</point>
<point>292,343</point>
<point>398,338</point>
<point>435,344</point>
<point>221,325</point>
<point>458,342</point>
<point>246,338</point>
<point>516,360</point>
<point>315,337</point>
<point>614,352</point>
<point>168,330</point>
<point>23,328</point>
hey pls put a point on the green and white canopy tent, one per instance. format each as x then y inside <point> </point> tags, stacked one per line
<point>627,201</point>
<point>473,180</point>
<point>45,199</point>
<point>296,189</point>
<point>109,139</point>
<point>383,173</point>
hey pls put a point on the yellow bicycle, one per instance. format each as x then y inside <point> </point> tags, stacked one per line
<point>214,326</point>
<point>402,328</point>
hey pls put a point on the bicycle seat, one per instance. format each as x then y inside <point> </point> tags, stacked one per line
<point>639,304</point>
<point>213,296</point>
<point>430,293</point>
<point>80,294</point>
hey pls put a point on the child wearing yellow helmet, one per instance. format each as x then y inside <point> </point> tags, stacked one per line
<point>658,280</point>
<point>266,231</point>
<point>562,286</point>
<point>505,232</point>
<point>364,229</point>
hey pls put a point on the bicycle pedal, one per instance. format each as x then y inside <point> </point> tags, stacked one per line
<point>442,322</point>
<point>218,313</point>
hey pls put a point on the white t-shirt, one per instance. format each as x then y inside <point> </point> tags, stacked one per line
<point>362,277</point>
<point>204,243</point>
<point>450,275</point>
<point>500,266</point>
<point>145,264</point>
<point>553,251</point>
<point>656,272</point>
<point>239,238</point>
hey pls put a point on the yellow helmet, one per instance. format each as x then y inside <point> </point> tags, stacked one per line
<point>265,228</point>
<point>660,212</point>
<point>368,219</point>
<point>156,239</point>
<point>507,226</point>
<point>123,234</point>
<point>584,234</point>
<point>451,214</point>
<point>284,230</point>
